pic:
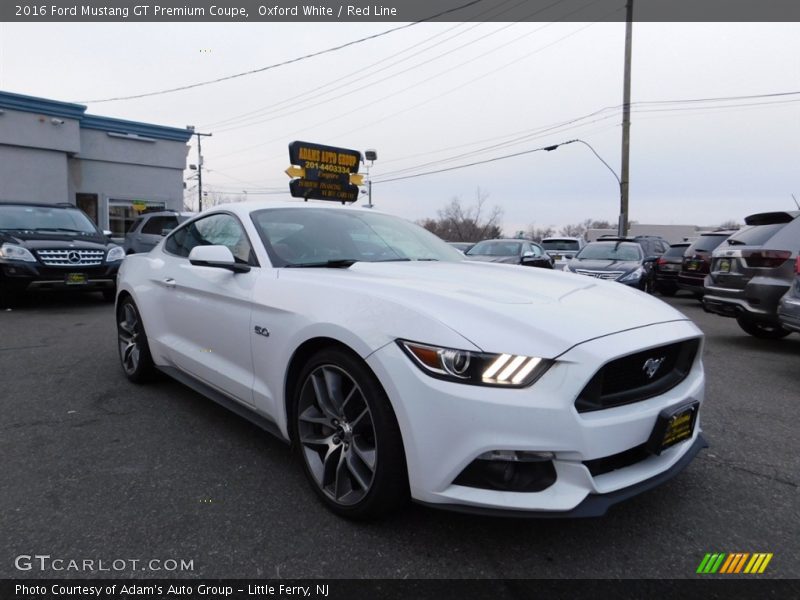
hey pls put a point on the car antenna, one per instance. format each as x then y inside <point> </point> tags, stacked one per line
<point>795,201</point>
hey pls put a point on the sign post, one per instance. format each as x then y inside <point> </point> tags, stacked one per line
<point>323,172</point>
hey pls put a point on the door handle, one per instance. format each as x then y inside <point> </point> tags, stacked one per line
<point>169,282</point>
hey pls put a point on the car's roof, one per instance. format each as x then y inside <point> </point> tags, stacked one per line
<point>724,232</point>
<point>248,206</point>
<point>562,238</point>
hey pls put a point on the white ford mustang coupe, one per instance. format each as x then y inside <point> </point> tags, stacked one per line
<point>397,368</point>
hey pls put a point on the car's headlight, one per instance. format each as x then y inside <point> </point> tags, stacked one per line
<point>634,275</point>
<point>14,252</point>
<point>116,253</point>
<point>476,368</point>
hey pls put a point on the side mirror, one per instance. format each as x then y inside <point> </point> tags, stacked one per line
<point>218,257</point>
<point>528,254</point>
<point>650,260</point>
<point>107,233</point>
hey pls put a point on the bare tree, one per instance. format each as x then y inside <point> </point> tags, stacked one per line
<point>455,223</point>
<point>730,224</point>
<point>537,234</point>
<point>213,198</point>
<point>579,229</point>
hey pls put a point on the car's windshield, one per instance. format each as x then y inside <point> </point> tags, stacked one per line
<point>308,235</point>
<point>610,251</point>
<point>44,218</point>
<point>561,245</point>
<point>494,248</point>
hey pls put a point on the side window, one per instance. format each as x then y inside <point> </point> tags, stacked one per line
<point>158,224</point>
<point>214,230</point>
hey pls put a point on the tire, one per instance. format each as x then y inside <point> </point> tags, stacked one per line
<point>346,434</point>
<point>669,292</point>
<point>649,286</point>
<point>134,350</point>
<point>760,329</point>
<point>10,296</point>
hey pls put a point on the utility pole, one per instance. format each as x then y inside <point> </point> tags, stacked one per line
<point>199,166</point>
<point>626,123</point>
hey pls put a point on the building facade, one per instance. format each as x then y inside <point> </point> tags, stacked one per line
<point>113,169</point>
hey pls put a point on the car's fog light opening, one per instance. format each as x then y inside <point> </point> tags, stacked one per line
<point>510,471</point>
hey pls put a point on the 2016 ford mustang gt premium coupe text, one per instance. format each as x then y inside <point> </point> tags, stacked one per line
<point>397,368</point>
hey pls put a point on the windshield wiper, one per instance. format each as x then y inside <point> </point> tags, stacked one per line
<point>58,229</point>
<point>427,259</point>
<point>340,263</point>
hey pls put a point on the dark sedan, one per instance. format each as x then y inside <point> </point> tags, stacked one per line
<point>614,260</point>
<point>665,269</point>
<point>514,252</point>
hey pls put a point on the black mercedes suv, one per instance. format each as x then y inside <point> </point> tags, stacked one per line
<point>46,246</point>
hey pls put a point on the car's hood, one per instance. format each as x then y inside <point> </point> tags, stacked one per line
<point>513,260</point>
<point>604,265</point>
<point>499,308</point>
<point>34,240</point>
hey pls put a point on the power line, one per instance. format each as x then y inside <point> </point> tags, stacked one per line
<point>362,72</point>
<point>283,63</point>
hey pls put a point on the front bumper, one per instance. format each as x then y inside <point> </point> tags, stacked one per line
<point>595,505</point>
<point>23,276</point>
<point>446,426</point>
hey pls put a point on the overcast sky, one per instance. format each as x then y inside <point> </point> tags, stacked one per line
<point>430,96</point>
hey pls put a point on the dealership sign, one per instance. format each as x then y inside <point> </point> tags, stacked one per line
<point>323,172</point>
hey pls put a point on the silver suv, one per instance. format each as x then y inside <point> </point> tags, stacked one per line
<point>147,230</point>
<point>752,269</point>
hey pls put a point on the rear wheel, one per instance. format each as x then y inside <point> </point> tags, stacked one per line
<point>134,351</point>
<point>347,435</point>
<point>761,329</point>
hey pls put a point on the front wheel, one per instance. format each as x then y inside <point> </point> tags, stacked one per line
<point>760,329</point>
<point>347,435</point>
<point>134,351</point>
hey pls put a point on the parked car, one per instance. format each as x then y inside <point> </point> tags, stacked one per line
<point>789,305</point>
<point>697,261</point>
<point>148,229</point>
<point>562,249</point>
<point>666,267</point>
<point>513,252</point>
<point>410,371</point>
<point>752,269</point>
<point>462,246</point>
<point>54,246</point>
<point>615,259</point>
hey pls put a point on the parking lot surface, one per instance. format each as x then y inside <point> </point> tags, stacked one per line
<point>94,467</point>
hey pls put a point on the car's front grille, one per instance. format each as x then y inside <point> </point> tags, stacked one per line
<point>600,274</point>
<point>638,376</point>
<point>71,257</point>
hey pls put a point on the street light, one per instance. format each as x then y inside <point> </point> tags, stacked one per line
<point>370,155</point>
<point>623,218</point>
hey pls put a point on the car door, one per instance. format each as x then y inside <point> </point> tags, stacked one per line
<point>209,309</point>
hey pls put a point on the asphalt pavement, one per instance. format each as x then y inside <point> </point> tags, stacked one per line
<point>93,467</point>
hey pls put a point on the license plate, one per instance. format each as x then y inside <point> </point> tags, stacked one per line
<point>724,265</point>
<point>673,426</point>
<point>76,279</point>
